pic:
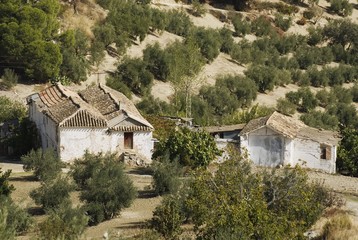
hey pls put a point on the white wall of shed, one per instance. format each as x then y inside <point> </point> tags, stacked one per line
<point>75,141</point>
<point>308,154</point>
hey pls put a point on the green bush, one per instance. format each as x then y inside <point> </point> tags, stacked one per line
<point>354,91</point>
<point>347,153</point>
<point>341,7</point>
<point>133,72</point>
<point>166,175</point>
<point>192,148</point>
<point>106,188</point>
<point>5,187</point>
<point>241,26</point>
<point>227,42</point>
<point>261,26</point>
<point>45,163</point>
<point>265,77</point>
<point>286,107</point>
<point>52,194</point>
<point>242,52</point>
<point>209,42</point>
<point>64,223</point>
<point>9,79</point>
<point>317,78</point>
<point>303,98</point>
<point>119,85</point>
<point>198,8</point>
<point>13,219</point>
<point>178,23</point>
<point>318,119</point>
<point>283,22</point>
<point>167,218</point>
<point>152,106</point>
<point>11,109</point>
<point>157,61</point>
<point>315,35</point>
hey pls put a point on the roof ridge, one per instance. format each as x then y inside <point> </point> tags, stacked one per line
<point>110,95</point>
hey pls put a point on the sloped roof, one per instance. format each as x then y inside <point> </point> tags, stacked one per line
<point>96,106</point>
<point>291,128</point>
<point>225,128</point>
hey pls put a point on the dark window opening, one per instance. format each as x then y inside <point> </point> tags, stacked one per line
<point>128,140</point>
<point>325,152</point>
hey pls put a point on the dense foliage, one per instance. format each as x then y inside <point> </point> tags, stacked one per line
<point>192,148</point>
<point>106,189</point>
<point>347,155</point>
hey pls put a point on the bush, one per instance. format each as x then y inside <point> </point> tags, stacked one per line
<point>333,228</point>
<point>317,78</point>
<point>13,219</point>
<point>166,175</point>
<point>64,223</point>
<point>9,79</point>
<point>354,91</point>
<point>315,36</point>
<point>209,42</point>
<point>133,72</point>
<point>282,22</point>
<point>347,153</point>
<point>45,164</point>
<point>157,61</point>
<point>265,77</point>
<point>192,148</point>
<point>286,107</point>
<point>11,109</point>
<point>167,218</point>
<point>5,187</point>
<point>318,119</point>
<point>117,84</point>
<point>341,7</point>
<point>227,42</point>
<point>178,23</point>
<point>241,26</point>
<point>52,194</point>
<point>261,26</point>
<point>303,98</point>
<point>198,8</point>
<point>152,106</point>
<point>107,189</point>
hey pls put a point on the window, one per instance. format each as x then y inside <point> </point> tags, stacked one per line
<point>325,152</point>
<point>128,140</point>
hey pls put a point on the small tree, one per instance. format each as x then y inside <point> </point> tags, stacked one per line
<point>166,175</point>
<point>347,156</point>
<point>64,223</point>
<point>9,79</point>
<point>5,187</point>
<point>341,7</point>
<point>193,148</point>
<point>53,194</point>
<point>167,218</point>
<point>45,164</point>
<point>286,107</point>
<point>107,190</point>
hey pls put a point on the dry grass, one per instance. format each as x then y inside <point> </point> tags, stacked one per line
<point>340,227</point>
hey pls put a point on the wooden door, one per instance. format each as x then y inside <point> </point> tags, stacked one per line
<point>128,140</point>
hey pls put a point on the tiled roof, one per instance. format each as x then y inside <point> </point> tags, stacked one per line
<point>225,128</point>
<point>97,106</point>
<point>291,128</point>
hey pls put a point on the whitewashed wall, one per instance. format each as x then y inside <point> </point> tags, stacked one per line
<point>75,141</point>
<point>308,154</point>
<point>46,127</point>
<point>265,147</point>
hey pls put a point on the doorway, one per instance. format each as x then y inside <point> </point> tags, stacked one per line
<point>128,140</point>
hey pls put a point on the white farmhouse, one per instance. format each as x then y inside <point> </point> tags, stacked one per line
<point>98,119</point>
<point>281,140</point>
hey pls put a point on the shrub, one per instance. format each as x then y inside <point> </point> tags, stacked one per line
<point>107,189</point>
<point>354,90</point>
<point>341,7</point>
<point>282,22</point>
<point>152,106</point>
<point>227,42</point>
<point>192,148</point>
<point>246,115</point>
<point>52,194</point>
<point>241,26</point>
<point>286,107</point>
<point>348,152</point>
<point>166,175</point>
<point>64,223</point>
<point>11,109</point>
<point>178,23</point>
<point>261,26</point>
<point>5,187</point>
<point>13,219</point>
<point>303,98</point>
<point>167,218</point>
<point>317,78</point>
<point>241,52</point>
<point>157,61</point>
<point>198,8</point>
<point>45,163</point>
<point>209,42</point>
<point>119,85</point>
<point>9,78</point>
<point>315,36</point>
<point>134,74</point>
<point>318,119</point>
<point>265,77</point>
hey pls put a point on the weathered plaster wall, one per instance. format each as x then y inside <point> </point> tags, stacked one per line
<point>308,153</point>
<point>74,142</point>
<point>143,144</point>
<point>46,127</point>
<point>265,147</point>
